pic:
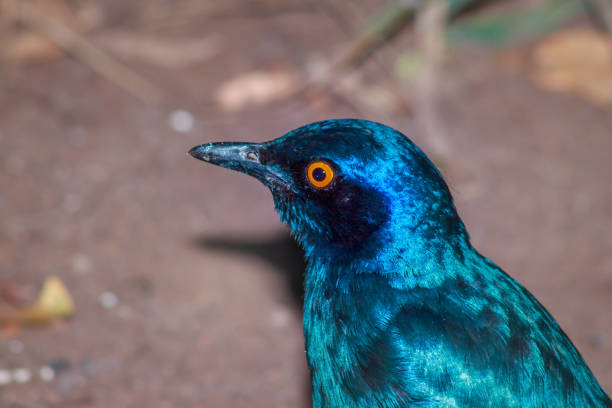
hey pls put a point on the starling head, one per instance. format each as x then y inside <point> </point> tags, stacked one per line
<point>344,186</point>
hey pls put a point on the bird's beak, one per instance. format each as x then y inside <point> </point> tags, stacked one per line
<point>242,157</point>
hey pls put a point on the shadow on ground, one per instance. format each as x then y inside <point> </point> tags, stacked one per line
<point>279,250</point>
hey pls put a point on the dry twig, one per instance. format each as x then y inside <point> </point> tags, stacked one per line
<point>86,52</point>
<point>429,29</point>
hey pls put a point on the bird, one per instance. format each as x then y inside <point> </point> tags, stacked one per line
<point>400,310</point>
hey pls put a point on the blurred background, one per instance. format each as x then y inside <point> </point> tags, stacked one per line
<point>132,275</point>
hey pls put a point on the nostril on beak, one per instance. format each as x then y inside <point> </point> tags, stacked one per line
<point>228,154</point>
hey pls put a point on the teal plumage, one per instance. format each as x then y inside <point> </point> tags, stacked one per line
<point>400,310</point>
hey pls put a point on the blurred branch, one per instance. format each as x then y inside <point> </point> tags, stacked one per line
<point>376,34</point>
<point>430,27</point>
<point>86,52</point>
<point>511,26</point>
<point>388,23</point>
<point>601,10</point>
<point>380,29</point>
<point>177,14</point>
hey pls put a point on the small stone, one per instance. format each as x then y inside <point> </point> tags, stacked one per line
<point>181,121</point>
<point>109,300</point>
<point>22,375</point>
<point>46,373</point>
<point>5,377</point>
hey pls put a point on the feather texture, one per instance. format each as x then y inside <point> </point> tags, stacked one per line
<point>400,310</point>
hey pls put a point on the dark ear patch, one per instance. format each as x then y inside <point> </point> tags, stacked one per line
<point>354,212</point>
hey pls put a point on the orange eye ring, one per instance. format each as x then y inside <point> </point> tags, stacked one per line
<point>320,174</point>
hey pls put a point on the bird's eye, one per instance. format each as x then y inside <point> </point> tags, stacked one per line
<point>320,174</point>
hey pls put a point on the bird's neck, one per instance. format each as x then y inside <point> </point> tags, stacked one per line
<point>403,256</point>
<point>347,303</point>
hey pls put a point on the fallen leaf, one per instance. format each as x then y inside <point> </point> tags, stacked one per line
<point>29,47</point>
<point>164,52</point>
<point>255,88</point>
<point>369,97</point>
<point>25,46</point>
<point>578,61</point>
<point>55,298</point>
<point>54,302</point>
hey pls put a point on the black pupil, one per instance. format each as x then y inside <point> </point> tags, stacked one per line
<point>318,174</point>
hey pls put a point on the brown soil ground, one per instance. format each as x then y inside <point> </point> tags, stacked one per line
<point>97,189</point>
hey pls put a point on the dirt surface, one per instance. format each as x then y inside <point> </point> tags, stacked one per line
<point>97,189</point>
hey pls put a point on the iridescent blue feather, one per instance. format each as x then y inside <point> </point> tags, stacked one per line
<point>400,310</point>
